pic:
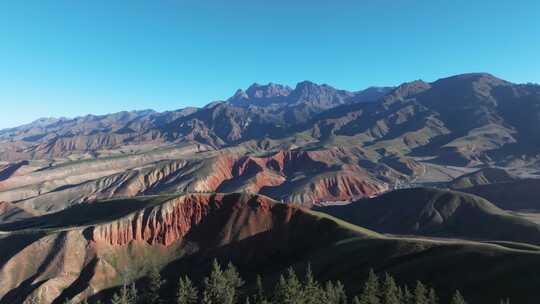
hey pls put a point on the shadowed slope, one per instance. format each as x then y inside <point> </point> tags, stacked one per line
<point>482,177</point>
<point>523,194</point>
<point>10,212</point>
<point>104,238</point>
<point>433,212</point>
<point>88,253</point>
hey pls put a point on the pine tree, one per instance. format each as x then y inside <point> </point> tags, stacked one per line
<point>389,291</point>
<point>370,293</point>
<point>126,295</point>
<point>260,297</point>
<point>432,297</point>
<point>153,286</point>
<point>214,285</point>
<point>408,297</point>
<point>280,291</point>
<point>400,294</point>
<point>420,293</point>
<point>328,292</point>
<point>289,289</point>
<point>457,298</point>
<point>222,286</point>
<point>233,282</point>
<point>355,300</point>
<point>313,293</point>
<point>187,293</point>
<point>339,296</point>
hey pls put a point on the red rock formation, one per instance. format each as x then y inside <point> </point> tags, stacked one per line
<point>302,177</point>
<point>171,221</point>
<point>162,224</point>
<point>325,175</point>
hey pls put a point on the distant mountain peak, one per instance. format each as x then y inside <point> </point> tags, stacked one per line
<point>239,94</point>
<point>270,90</point>
<point>474,75</point>
<point>256,91</point>
<point>308,88</point>
<point>411,88</point>
<point>307,85</point>
<point>473,78</point>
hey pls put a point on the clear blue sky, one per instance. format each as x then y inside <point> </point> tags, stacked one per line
<point>68,58</point>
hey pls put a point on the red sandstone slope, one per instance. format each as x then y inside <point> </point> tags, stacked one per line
<point>85,248</point>
<point>172,220</point>
<point>303,177</point>
<point>295,176</point>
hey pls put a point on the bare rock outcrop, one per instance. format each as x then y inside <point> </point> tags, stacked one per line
<point>163,224</point>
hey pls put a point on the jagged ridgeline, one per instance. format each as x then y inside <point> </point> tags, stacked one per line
<point>463,119</point>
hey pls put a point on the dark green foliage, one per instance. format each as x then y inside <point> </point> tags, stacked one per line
<point>335,293</point>
<point>260,295</point>
<point>187,293</point>
<point>214,285</point>
<point>126,295</point>
<point>407,297</point>
<point>289,289</point>
<point>389,291</point>
<point>153,287</point>
<point>313,293</point>
<point>370,292</point>
<point>420,293</point>
<point>233,283</point>
<point>457,298</point>
<point>432,297</point>
<point>224,286</point>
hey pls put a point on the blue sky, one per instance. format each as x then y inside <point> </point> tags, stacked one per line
<point>69,58</point>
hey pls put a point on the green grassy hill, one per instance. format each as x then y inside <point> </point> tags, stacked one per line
<point>482,177</point>
<point>434,212</point>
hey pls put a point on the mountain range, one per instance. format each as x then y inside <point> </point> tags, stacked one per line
<point>495,121</point>
<point>416,180</point>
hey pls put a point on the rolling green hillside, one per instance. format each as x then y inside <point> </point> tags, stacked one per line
<point>441,213</point>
